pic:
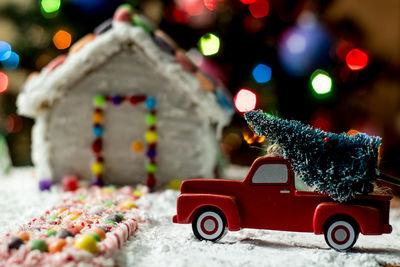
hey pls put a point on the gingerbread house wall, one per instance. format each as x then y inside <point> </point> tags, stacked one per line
<point>186,148</point>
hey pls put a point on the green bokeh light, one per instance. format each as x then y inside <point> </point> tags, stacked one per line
<point>50,6</point>
<point>321,82</point>
<point>209,44</point>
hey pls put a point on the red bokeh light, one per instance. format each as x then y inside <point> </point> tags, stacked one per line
<point>245,100</point>
<point>3,82</point>
<point>210,4</point>
<point>194,7</point>
<point>259,8</point>
<point>356,59</point>
<point>248,2</point>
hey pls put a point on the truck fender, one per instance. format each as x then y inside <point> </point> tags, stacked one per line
<point>368,218</point>
<point>189,204</point>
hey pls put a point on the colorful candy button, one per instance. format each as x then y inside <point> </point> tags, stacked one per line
<point>137,146</point>
<point>51,232</point>
<point>70,183</point>
<point>38,244</point>
<point>151,119</point>
<point>151,137</point>
<point>97,168</point>
<point>23,235</point>
<point>99,232</point>
<point>86,242</point>
<point>122,15</point>
<point>82,42</point>
<point>64,233</point>
<point>115,218</point>
<point>15,242</point>
<point>151,103</point>
<point>151,168</point>
<point>45,184</point>
<point>56,245</point>
<point>99,101</point>
<point>98,117</point>
<point>98,130</point>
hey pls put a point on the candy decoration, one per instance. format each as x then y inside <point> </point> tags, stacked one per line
<point>122,15</point>
<point>137,146</point>
<point>206,82</point>
<point>151,119</point>
<point>51,232</point>
<point>82,42</point>
<point>165,42</point>
<point>56,62</point>
<point>45,184</point>
<point>151,103</point>
<point>97,168</point>
<point>96,237</point>
<point>38,244</point>
<point>116,100</point>
<point>151,180</point>
<point>151,168</point>
<point>136,99</point>
<point>143,22</point>
<point>151,137</point>
<point>184,61</point>
<point>151,153</point>
<point>128,204</point>
<point>64,233</point>
<point>23,235</point>
<point>97,146</point>
<point>98,130</point>
<point>56,245</point>
<point>15,242</point>
<point>99,232</point>
<point>99,101</point>
<point>53,218</point>
<point>86,242</point>
<point>114,218</point>
<point>70,183</point>
<point>103,27</point>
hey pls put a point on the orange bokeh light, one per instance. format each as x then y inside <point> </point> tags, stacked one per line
<point>62,40</point>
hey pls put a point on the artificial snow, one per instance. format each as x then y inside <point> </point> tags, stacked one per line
<point>159,242</point>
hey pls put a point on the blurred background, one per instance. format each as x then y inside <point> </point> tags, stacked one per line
<point>334,64</point>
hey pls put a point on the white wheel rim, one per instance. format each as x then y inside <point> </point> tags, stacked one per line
<point>341,235</point>
<point>209,225</point>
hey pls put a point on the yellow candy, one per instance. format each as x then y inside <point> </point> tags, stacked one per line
<point>175,184</point>
<point>86,242</point>
<point>137,146</point>
<point>98,117</point>
<point>72,217</point>
<point>97,168</point>
<point>128,204</point>
<point>151,137</point>
<point>137,193</point>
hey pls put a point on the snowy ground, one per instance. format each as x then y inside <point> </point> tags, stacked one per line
<point>162,243</point>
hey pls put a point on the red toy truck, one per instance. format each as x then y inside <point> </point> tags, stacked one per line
<point>267,199</point>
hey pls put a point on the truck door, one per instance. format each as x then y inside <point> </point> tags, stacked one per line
<point>271,194</point>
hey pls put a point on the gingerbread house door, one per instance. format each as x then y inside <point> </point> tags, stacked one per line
<point>124,139</point>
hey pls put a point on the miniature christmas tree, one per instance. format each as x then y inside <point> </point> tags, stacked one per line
<point>336,164</point>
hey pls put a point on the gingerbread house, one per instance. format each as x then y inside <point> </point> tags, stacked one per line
<point>125,105</point>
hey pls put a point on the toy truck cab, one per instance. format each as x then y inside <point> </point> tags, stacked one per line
<point>267,199</point>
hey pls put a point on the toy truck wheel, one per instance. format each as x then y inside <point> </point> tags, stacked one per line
<point>209,224</point>
<point>341,234</point>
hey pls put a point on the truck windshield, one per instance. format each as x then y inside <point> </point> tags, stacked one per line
<point>271,174</point>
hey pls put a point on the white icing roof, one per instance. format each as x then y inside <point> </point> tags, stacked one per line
<point>40,92</point>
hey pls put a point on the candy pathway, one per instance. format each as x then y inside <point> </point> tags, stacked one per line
<point>158,242</point>
<point>86,226</point>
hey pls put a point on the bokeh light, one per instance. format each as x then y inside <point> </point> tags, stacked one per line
<point>62,40</point>
<point>13,123</point>
<point>262,73</point>
<point>248,2</point>
<point>210,4</point>
<point>5,50</point>
<point>259,8</point>
<point>193,7</point>
<point>3,82</point>
<point>321,82</point>
<point>245,100</point>
<point>50,6</point>
<point>209,44</point>
<point>296,43</point>
<point>11,62</point>
<point>356,59</point>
